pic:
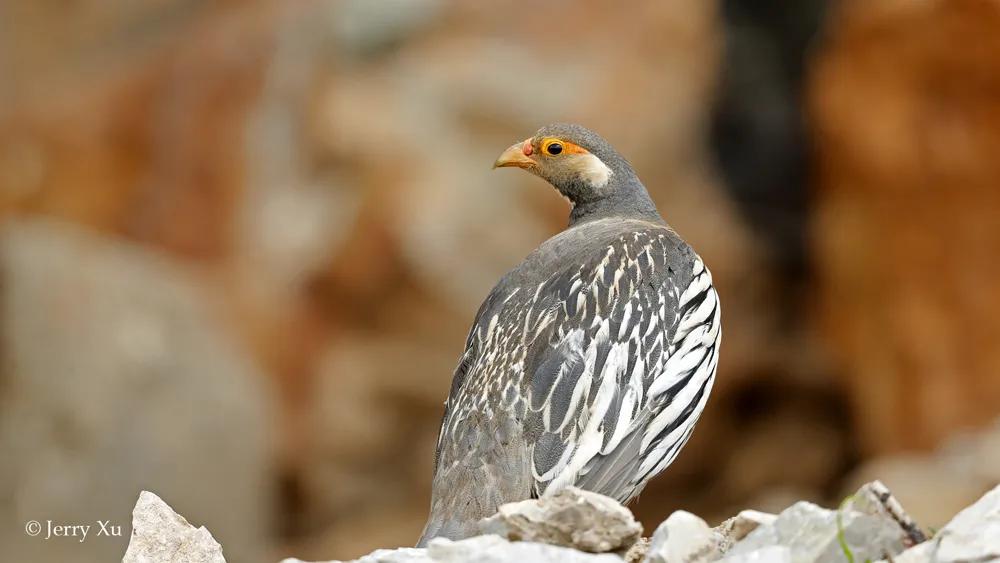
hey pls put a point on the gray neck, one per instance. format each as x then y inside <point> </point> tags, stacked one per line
<point>628,200</point>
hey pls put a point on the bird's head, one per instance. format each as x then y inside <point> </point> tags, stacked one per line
<point>576,161</point>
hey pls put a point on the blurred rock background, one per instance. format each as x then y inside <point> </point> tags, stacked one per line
<point>242,243</point>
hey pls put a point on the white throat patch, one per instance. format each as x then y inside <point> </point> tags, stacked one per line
<point>592,169</point>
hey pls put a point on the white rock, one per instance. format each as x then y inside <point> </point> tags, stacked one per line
<point>932,487</point>
<point>401,555</point>
<point>683,538</point>
<point>769,554</point>
<point>482,549</point>
<point>494,549</point>
<point>740,526</point>
<point>571,517</point>
<point>973,535</point>
<point>876,499</point>
<point>811,535</point>
<point>160,535</point>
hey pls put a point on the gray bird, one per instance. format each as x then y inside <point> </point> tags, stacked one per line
<point>589,363</point>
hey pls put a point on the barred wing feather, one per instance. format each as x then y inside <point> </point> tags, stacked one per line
<point>626,370</point>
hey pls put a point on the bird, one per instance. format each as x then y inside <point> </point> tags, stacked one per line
<point>590,362</point>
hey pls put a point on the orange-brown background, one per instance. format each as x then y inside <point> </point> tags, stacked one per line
<point>242,243</point>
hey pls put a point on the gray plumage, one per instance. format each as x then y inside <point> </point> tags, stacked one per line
<point>589,363</point>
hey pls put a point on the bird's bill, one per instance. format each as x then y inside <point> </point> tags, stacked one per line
<point>518,154</point>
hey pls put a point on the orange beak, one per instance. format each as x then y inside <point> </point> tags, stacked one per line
<point>518,154</point>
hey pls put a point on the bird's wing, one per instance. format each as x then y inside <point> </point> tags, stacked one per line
<point>615,384</point>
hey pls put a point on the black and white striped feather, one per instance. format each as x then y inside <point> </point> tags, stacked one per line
<point>583,367</point>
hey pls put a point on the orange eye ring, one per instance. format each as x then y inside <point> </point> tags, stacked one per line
<point>552,147</point>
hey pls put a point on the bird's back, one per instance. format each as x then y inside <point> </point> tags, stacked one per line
<point>587,364</point>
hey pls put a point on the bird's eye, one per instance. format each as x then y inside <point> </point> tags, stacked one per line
<point>553,148</point>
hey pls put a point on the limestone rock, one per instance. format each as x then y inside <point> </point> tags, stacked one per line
<point>638,551</point>
<point>769,554</point>
<point>571,517</point>
<point>933,490</point>
<point>973,535</point>
<point>934,486</point>
<point>872,523</point>
<point>493,549</point>
<point>875,498</point>
<point>400,555</point>
<point>482,549</point>
<point>812,534</point>
<point>683,538</point>
<point>740,526</point>
<point>160,535</point>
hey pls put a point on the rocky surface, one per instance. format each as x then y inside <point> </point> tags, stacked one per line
<point>811,533</point>
<point>973,535</point>
<point>568,527</point>
<point>485,549</point>
<point>686,537</point>
<point>683,537</point>
<point>160,534</point>
<point>935,485</point>
<point>739,526</point>
<point>572,518</point>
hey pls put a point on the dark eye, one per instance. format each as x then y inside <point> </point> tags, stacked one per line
<point>553,148</point>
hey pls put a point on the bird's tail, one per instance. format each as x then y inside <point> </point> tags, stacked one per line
<point>463,496</point>
<point>453,527</point>
<point>492,469</point>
